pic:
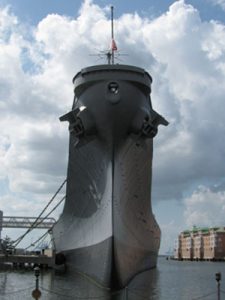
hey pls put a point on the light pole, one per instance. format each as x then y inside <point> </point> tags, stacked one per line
<point>36,294</point>
<point>218,278</point>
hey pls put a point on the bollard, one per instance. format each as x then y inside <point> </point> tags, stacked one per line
<point>36,293</point>
<point>218,278</point>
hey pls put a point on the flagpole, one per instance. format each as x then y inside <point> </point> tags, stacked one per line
<point>112,34</point>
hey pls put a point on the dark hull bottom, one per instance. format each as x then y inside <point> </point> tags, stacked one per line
<point>76,286</point>
<point>97,264</point>
<point>93,261</point>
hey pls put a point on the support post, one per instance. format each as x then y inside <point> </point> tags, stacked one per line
<point>218,278</point>
<point>126,293</point>
<point>36,293</point>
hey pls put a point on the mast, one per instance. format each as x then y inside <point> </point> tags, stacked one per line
<point>112,35</point>
<point>113,43</point>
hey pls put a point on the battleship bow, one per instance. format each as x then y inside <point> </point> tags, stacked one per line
<point>107,229</point>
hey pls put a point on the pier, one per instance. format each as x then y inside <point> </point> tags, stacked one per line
<point>22,260</point>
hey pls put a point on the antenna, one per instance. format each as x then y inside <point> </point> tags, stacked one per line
<point>112,34</point>
<point>109,53</point>
<point>113,43</point>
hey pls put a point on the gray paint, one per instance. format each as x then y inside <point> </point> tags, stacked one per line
<point>107,229</point>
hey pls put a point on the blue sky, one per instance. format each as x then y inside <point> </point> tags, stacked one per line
<point>34,11</point>
<point>180,43</point>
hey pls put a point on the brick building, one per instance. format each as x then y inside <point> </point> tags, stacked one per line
<point>197,237</point>
<point>186,245</point>
<point>201,244</point>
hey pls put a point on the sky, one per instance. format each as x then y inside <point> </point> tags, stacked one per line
<point>43,44</point>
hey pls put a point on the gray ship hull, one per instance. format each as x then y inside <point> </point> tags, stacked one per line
<point>107,230</point>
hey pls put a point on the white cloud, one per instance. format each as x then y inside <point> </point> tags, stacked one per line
<point>190,92</point>
<point>185,56</point>
<point>221,3</point>
<point>205,208</point>
<point>7,21</point>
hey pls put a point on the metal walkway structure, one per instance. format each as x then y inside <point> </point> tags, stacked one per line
<point>32,222</point>
<point>27,222</point>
